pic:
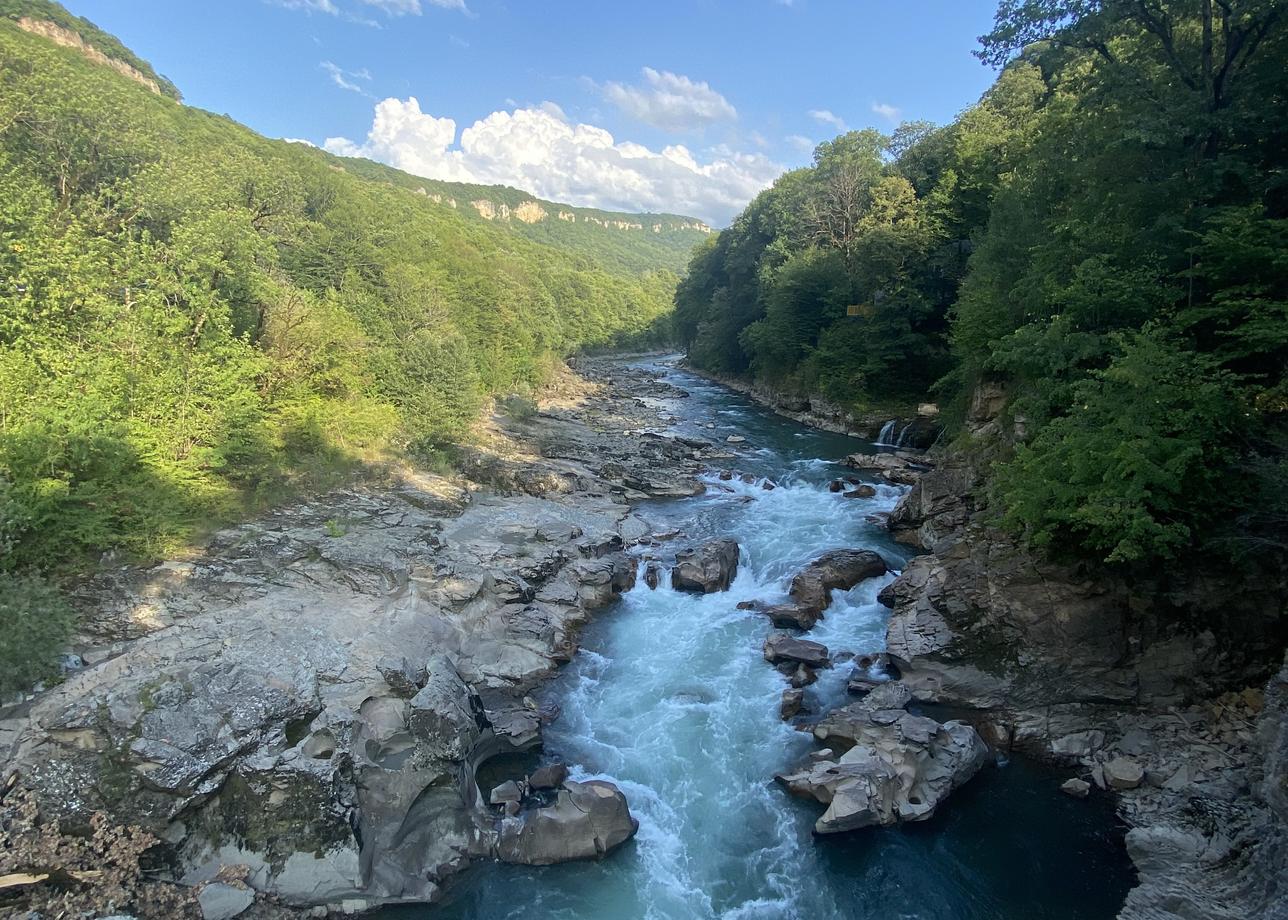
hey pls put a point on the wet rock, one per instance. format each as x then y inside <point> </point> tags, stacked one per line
<point>769,485</point>
<point>736,439</point>
<point>1123,773</point>
<point>839,570</point>
<point>652,575</point>
<point>791,616</point>
<point>600,581</point>
<point>884,462</point>
<point>901,477</point>
<point>221,901</point>
<point>508,791</point>
<point>551,776</point>
<point>893,769</point>
<point>780,647</point>
<point>1078,788</point>
<point>892,694</point>
<point>861,683</point>
<point>863,491</point>
<point>798,675</point>
<point>586,821</point>
<point>706,569</point>
<point>792,702</point>
<point>836,485</point>
<point>443,715</point>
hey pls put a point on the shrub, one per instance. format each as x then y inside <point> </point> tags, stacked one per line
<point>35,621</point>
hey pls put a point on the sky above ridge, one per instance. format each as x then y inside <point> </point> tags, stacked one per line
<point>685,106</point>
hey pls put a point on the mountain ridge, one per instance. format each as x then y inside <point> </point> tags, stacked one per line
<point>670,237</point>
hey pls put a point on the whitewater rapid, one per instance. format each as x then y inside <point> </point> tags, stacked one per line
<point>671,699</point>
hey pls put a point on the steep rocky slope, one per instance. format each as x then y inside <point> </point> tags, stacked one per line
<point>1151,687</point>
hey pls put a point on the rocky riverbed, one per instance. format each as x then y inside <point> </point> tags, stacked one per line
<point>308,697</point>
<point>302,710</point>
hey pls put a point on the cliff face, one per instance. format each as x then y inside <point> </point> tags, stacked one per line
<point>1151,687</point>
<point>69,39</point>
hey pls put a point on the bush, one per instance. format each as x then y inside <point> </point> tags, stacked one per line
<point>35,622</point>
<point>1139,468</point>
<point>517,407</point>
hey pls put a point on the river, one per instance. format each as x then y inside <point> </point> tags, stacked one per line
<point>671,699</point>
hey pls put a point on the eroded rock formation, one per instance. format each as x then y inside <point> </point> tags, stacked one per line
<point>311,696</point>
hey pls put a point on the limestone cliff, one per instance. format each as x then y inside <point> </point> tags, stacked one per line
<point>60,35</point>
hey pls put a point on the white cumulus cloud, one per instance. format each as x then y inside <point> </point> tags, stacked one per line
<point>825,117</point>
<point>539,149</point>
<point>671,101</point>
<point>886,111</point>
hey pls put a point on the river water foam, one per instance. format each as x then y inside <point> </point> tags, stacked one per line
<point>672,700</point>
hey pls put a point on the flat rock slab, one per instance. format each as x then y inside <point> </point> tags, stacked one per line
<point>780,647</point>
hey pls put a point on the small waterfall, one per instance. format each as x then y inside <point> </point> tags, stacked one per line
<point>883,439</point>
<point>903,434</point>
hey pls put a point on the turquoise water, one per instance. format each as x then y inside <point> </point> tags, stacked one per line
<point>672,700</point>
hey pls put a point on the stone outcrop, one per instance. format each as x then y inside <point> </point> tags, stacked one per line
<point>586,821</point>
<point>310,697</point>
<point>69,39</point>
<point>895,766</point>
<point>840,570</point>
<point>707,568</point>
<point>1118,677</point>
<point>781,648</point>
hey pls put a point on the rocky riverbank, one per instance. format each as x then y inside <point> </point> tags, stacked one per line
<point>1151,689</point>
<point>916,431</point>
<point>300,709</point>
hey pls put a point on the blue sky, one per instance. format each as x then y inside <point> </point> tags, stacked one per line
<point>679,105</point>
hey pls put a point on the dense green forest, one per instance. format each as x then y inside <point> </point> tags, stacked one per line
<point>1105,234</point>
<point>194,318</point>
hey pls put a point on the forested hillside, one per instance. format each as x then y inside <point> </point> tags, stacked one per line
<point>1105,235</point>
<point>193,318</point>
<point>610,239</point>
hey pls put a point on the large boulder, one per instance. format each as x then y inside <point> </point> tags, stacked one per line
<point>838,570</point>
<point>586,821</point>
<point>896,766</point>
<point>707,568</point>
<point>781,648</point>
<point>791,616</point>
